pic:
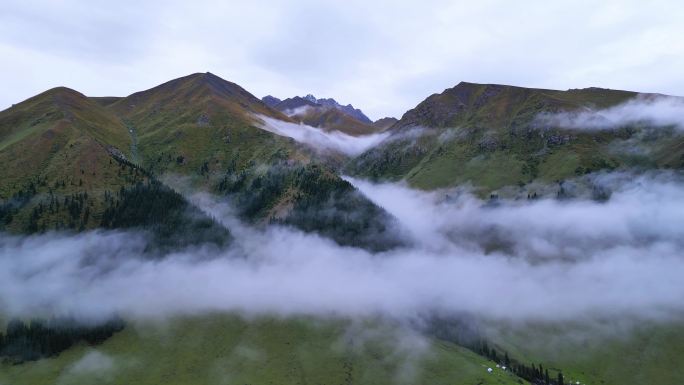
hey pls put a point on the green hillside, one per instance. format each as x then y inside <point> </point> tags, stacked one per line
<point>67,167</point>
<point>487,135</point>
<point>224,349</point>
<point>60,146</point>
<point>647,353</point>
<point>200,124</point>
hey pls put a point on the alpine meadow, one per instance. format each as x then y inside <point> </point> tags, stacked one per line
<point>524,225</point>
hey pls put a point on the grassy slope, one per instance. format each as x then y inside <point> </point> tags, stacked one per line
<point>650,353</point>
<point>224,349</point>
<point>201,120</point>
<point>58,137</point>
<point>484,134</point>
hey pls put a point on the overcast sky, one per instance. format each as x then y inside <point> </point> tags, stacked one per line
<point>383,57</point>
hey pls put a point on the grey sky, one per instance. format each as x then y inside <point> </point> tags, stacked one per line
<point>384,56</point>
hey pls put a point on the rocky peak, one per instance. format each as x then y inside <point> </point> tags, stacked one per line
<point>270,100</point>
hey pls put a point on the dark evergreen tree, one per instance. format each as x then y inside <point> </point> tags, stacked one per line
<point>39,339</point>
<point>171,220</point>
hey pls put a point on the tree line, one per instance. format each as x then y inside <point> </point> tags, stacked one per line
<point>536,374</point>
<point>40,338</point>
<point>165,214</point>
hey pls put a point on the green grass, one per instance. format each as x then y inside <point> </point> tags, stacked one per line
<point>225,349</point>
<point>648,353</point>
<point>488,171</point>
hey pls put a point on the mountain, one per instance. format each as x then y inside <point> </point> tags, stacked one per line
<point>330,119</point>
<point>67,167</point>
<point>326,114</point>
<point>490,135</point>
<point>348,109</point>
<point>80,163</point>
<point>288,105</point>
<point>270,101</point>
<point>206,128</point>
<point>181,124</point>
<point>58,143</point>
<point>384,123</point>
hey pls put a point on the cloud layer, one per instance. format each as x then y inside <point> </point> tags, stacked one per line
<point>536,260</point>
<point>321,140</point>
<point>650,110</point>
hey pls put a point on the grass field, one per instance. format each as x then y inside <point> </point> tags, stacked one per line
<point>611,353</point>
<point>226,349</point>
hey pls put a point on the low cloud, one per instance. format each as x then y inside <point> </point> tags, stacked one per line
<point>649,110</point>
<point>93,365</point>
<point>543,260</point>
<point>322,140</point>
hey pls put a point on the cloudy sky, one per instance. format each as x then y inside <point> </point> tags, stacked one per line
<point>384,57</point>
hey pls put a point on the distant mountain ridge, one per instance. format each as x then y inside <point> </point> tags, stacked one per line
<point>348,109</point>
<point>310,100</point>
<point>383,124</point>
<point>325,113</point>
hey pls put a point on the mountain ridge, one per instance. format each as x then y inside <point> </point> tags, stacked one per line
<point>488,135</point>
<point>325,113</point>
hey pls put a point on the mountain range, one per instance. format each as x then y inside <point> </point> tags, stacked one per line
<point>75,163</point>
<point>62,143</point>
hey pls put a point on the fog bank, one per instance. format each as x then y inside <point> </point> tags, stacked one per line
<point>649,110</point>
<point>322,140</point>
<point>514,260</point>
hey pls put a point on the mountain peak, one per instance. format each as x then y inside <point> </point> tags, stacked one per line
<point>62,91</point>
<point>203,92</point>
<point>312,101</point>
<point>270,100</point>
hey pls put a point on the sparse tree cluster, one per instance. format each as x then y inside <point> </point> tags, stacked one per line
<point>535,374</point>
<point>465,332</point>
